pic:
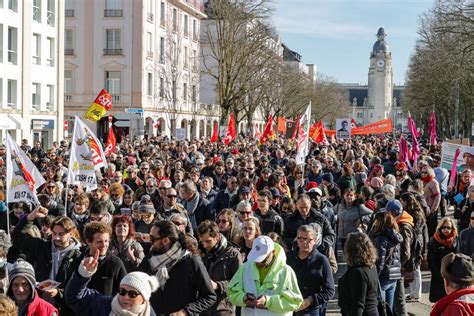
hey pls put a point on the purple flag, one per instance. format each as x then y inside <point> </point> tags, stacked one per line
<point>433,134</point>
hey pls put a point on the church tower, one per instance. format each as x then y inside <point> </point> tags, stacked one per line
<point>380,90</point>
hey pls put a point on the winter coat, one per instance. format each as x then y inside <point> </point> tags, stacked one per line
<point>436,252</point>
<point>221,266</point>
<point>405,226</point>
<point>357,292</point>
<point>122,253</point>
<point>223,200</point>
<point>348,216</point>
<point>280,287</point>
<point>270,222</point>
<point>464,218</point>
<point>466,242</point>
<point>36,307</point>
<point>295,220</point>
<point>40,253</point>
<point>457,303</point>
<point>188,287</point>
<point>315,277</point>
<point>388,262</point>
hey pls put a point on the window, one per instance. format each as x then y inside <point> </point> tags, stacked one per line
<point>193,93</point>
<point>195,37</point>
<point>51,10</point>
<point>162,14</point>
<point>186,26</point>
<point>12,45</point>
<point>1,43</point>
<point>174,89</point>
<point>50,58</point>
<point>112,82</point>
<point>113,42</point>
<point>113,8</point>
<point>36,95</point>
<point>1,85</point>
<point>162,87</point>
<point>195,61</point>
<point>68,84</point>
<point>400,115</point>
<point>150,84</point>
<point>68,42</point>
<point>13,5</point>
<point>37,11</point>
<point>69,12</point>
<point>185,91</point>
<point>175,20</point>
<point>162,50</point>
<point>12,93</point>
<point>149,42</point>
<point>50,102</point>
<point>150,11</point>
<point>186,56</point>
<point>36,49</point>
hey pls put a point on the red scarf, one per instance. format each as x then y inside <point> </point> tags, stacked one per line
<point>441,305</point>
<point>446,241</point>
<point>426,179</point>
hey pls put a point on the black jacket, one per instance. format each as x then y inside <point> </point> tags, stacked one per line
<point>221,266</point>
<point>223,200</point>
<point>466,242</point>
<point>110,272</point>
<point>295,220</point>
<point>188,287</point>
<point>314,277</point>
<point>270,222</point>
<point>357,291</point>
<point>388,261</point>
<point>464,218</point>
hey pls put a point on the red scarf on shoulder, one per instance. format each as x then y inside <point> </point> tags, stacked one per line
<point>441,305</point>
<point>446,241</point>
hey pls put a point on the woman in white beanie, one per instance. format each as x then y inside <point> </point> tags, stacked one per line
<point>132,299</point>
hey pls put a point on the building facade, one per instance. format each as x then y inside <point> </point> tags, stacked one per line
<point>31,70</point>
<point>145,53</point>
<point>380,99</point>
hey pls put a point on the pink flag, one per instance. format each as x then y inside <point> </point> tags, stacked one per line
<point>404,154</point>
<point>415,148</point>
<point>454,167</point>
<point>433,134</point>
<point>412,126</point>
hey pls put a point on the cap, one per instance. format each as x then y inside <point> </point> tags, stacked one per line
<point>393,206</point>
<point>244,190</point>
<point>457,268</point>
<point>275,192</point>
<point>261,248</point>
<point>315,190</point>
<point>311,185</point>
<point>146,205</point>
<point>142,282</point>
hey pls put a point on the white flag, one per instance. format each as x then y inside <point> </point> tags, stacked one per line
<point>303,136</point>
<point>23,178</point>
<point>87,156</point>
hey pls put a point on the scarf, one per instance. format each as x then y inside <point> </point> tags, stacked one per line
<point>446,241</point>
<point>426,179</point>
<point>57,256</point>
<point>139,310</point>
<point>217,250</point>
<point>160,265</point>
<point>191,207</point>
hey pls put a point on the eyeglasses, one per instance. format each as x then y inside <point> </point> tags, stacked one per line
<point>150,186</point>
<point>51,187</point>
<point>234,182</point>
<point>303,239</point>
<point>244,212</point>
<point>162,188</point>
<point>172,196</point>
<point>446,227</point>
<point>131,293</point>
<point>222,221</point>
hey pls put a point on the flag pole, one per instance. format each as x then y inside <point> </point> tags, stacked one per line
<point>8,185</point>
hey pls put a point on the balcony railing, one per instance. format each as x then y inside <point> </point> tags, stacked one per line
<point>49,106</point>
<point>69,13</point>
<point>113,13</point>
<point>50,18</point>
<point>116,98</point>
<point>69,51</point>
<point>112,51</point>
<point>68,98</point>
<point>50,62</point>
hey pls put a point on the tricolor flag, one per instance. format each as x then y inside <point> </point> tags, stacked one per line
<point>303,136</point>
<point>23,178</point>
<point>86,156</point>
<point>102,103</point>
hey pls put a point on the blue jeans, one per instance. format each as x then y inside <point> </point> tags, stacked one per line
<point>388,291</point>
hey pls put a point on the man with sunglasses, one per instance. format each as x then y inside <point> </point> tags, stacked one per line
<point>171,207</point>
<point>244,211</point>
<point>228,197</point>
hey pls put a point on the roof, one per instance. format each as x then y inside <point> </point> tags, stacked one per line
<point>359,93</point>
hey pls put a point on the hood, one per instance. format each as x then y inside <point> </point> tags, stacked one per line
<point>75,244</point>
<point>405,218</point>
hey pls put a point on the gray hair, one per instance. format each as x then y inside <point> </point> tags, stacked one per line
<point>390,179</point>
<point>315,230</point>
<point>112,166</point>
<point>242,205</point>
<point>166,183</point>
<point>188,186</point>
<point>180,217</point>
<point>389,191</point>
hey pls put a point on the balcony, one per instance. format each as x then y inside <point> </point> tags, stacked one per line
<point>69,51</point>
<point>112,51</point>
<point>67,98</point>
<point>149,55</point>
<point>69,13</point>
<point>113,13</point>
<point>194,7</point>
<point>116,99</point>
<point>150,17</point>
<point>50,18</point>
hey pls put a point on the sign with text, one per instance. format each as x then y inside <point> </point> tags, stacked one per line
<point>343,128</point>
<point>465,159</point>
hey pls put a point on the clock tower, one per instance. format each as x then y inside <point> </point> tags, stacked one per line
<point>380,91</point>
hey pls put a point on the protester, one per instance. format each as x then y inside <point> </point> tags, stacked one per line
<point>250,231</point>
<point>466,239</point>
<point>265,281</point>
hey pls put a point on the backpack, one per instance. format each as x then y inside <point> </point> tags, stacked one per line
<point>416,247</point>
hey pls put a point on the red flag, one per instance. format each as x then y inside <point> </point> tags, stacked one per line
<point>231,132</point>
<point>215,134</point>
<point>297,127</point>
<point>111,142</point>
<point>318,133</point>
<point>353,123</point>
<point>268,131</point>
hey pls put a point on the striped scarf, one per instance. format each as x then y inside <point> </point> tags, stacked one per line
<point>160,265</point>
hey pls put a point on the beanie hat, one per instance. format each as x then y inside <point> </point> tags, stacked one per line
<point>142,282</point>
<point>376,183</point>
<point>457,268</point>
<point>311,185</point>
<point>146,205</point>
<point>22,268</point>
<point>328,177</point>
<point>394,207</point>
<point>370,204</point>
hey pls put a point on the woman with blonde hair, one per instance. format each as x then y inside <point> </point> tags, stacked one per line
<point>297,181</point>
<point>444,241</point>
<point>250,231</point>
<point>228,225</point>
<point>358,286</point>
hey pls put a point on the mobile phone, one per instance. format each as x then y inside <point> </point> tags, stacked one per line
<point>251,296</point>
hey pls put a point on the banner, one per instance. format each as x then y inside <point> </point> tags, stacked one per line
<point>433,135</point>
<point>281,125</point>
<point>102,103</point>
<point>343,128</point>
<point>303,136</point>
<point>86,156</point>
<point>23,178</point>
<point>290,129</point>
<point>379,127</point>
<point>465,157</point>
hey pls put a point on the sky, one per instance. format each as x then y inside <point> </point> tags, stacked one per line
<point>338,35</point>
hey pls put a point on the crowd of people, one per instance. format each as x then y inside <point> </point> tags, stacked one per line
<point>203,228</point>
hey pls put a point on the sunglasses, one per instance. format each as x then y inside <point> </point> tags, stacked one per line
<point>172,196</point>
<point>446,227</point>
<point>243,212</point>
<point>222,221</point>
<point>51,187</point>
<point>150,186</point>
<point>131,293</point>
